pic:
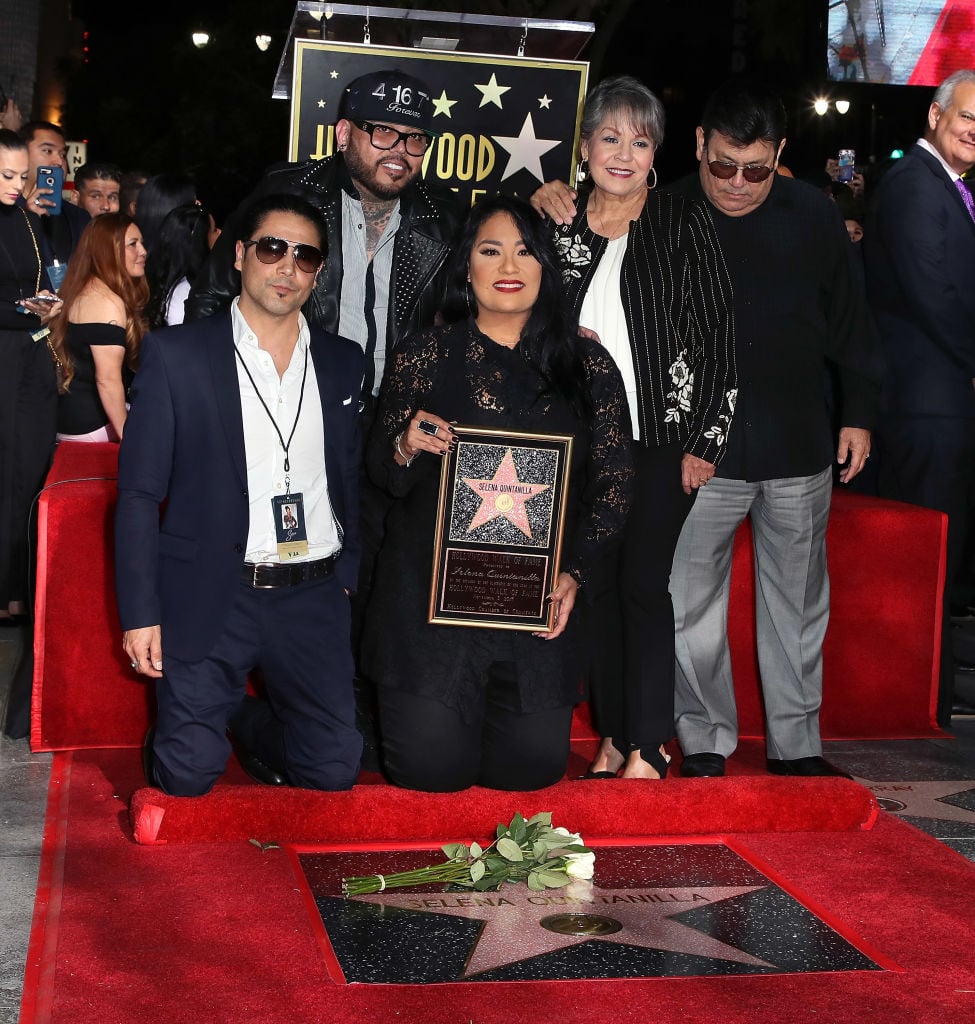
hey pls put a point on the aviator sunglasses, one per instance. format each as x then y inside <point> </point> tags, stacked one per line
<point>272,250</point>
<point>753,173</point>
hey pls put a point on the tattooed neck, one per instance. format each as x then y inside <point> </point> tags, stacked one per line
<point>376,213</point>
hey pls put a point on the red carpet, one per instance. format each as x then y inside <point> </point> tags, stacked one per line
<point>615,807</point>
<point>219,932</point>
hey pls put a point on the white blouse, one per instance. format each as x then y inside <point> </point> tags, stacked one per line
<point>602,312</point>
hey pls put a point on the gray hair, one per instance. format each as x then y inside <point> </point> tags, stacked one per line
<point>629,100</point>
<point>945,92</point>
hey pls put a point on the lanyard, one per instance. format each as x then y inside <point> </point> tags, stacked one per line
<point>277,430</point>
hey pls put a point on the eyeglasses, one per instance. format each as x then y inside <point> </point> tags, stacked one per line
<point>272,250</point>
<point>384,137</point>
<point>754,173</point>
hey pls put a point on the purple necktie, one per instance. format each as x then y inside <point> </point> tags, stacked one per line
<point>966,196</point>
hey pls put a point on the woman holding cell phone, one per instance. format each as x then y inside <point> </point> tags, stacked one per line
<point>96,341</point>
<point>28,392</point>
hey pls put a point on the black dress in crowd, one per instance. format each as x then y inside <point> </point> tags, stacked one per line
<point>80,409</point>
<point>463,376</point>
<point>28,395</point>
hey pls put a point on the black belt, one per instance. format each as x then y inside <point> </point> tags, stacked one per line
<point>268,575</point>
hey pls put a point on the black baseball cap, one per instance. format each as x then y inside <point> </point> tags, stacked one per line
<point>391,97</point>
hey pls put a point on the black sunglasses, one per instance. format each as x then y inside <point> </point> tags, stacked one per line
<point>754,173</point>
<point>272,250</point>
<point>384,137</point>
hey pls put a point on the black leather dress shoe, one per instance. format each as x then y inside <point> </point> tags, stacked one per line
<point>805,766</point>
<point>702,766</point>
<point>962,707</point>
<point>257,769</point>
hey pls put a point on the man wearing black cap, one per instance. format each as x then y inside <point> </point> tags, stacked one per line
<point>388,231</point>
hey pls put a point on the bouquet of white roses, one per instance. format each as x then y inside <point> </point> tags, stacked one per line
<point>529,851</point>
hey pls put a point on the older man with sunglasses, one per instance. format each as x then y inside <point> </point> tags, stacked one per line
<point>251,416</point>
<point>797,304</point>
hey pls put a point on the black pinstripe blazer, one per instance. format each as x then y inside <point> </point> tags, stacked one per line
<point>678,303</point>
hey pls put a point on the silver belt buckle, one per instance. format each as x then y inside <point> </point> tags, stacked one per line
<point>257,567</point>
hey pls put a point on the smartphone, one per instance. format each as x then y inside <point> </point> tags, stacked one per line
<point>846,162</point>
<point>52,178</point>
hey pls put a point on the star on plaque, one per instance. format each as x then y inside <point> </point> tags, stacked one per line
<point>334,74</point>
<point>321,103</point>
<point>504,495</point>
<point>525,151</point>
<point>442,105</point>
<point>518,924</point>
<point>492,92</point>
<point>544,102</point>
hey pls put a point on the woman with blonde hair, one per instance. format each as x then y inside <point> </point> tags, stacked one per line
<point>96,339</point>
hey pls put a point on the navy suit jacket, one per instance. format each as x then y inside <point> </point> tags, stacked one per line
<point>183,448</point>
<point>919,246</point>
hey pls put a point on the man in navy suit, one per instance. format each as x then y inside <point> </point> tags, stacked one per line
<point>920,264</point>
<point>242,414</point>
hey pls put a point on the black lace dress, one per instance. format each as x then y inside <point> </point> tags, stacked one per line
<point>462,375</point>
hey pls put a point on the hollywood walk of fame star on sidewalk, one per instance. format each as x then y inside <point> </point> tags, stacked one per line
<point>512,931</point>
<point>923,799</point>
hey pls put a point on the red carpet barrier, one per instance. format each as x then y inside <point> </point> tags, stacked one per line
<point>84,694</point>
<point>886,564</point>
<point>605,808</point>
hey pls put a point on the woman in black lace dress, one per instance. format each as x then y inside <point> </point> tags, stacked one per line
<point>460,705</point>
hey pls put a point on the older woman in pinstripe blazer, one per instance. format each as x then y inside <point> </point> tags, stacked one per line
<point>644,272</point>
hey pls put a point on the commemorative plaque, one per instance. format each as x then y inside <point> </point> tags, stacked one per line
<point>500,520</point>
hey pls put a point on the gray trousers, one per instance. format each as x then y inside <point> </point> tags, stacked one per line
<point>789,518</point>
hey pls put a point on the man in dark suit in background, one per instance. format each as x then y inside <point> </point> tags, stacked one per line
<point>241,414</point>
<point>920,265</point>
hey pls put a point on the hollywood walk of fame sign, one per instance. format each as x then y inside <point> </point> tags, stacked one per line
<point>652,910</point>
<point>502,124</point>
<point>499,529</point>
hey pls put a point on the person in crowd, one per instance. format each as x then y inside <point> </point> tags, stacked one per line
<point>96,340</point>
<point>463,705</point>
<point>28,390</point>
<point>241,414</point>
<point>130,185</point>
<point>920,251</point>
<point>797,302</point>
<point>183,246</point>
<point>160,194</point>
<point>389,235</point>
<point>46,148</point>
<point>644,272</point>
<point>97,185</point>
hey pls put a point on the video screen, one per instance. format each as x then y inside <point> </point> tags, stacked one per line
<point>900,42</point>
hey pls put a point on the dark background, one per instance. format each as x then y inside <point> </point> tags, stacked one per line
<point>146,97</point>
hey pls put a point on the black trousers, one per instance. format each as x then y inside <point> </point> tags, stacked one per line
<point>930,461</point>
<point>630,615</point>
<point>299,638</point>
<point>428,746</point>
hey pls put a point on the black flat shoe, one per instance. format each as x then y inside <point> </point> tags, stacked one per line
<point>705,765</point>
<point>599,775</point>
<point>807,767</point>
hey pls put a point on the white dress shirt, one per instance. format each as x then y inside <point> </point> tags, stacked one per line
<point>263,450</point>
